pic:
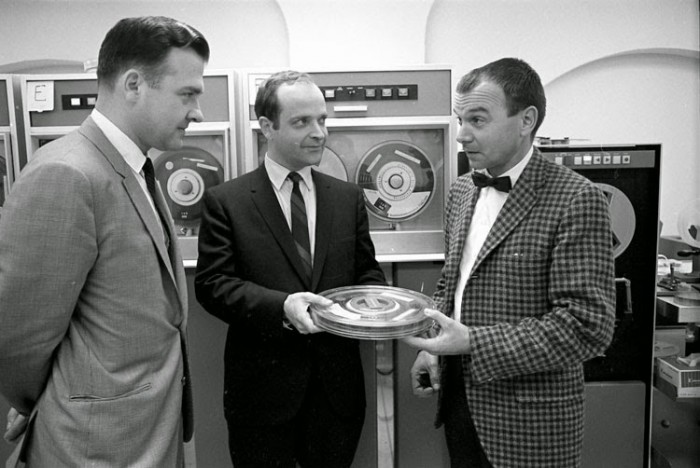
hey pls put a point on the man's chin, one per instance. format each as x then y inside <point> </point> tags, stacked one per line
<point>172,145</point>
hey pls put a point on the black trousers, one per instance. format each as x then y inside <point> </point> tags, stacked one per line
<point>461,436</point>
<point>317,437</point>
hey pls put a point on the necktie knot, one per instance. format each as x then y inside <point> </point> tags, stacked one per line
<point>501,184</point>
<point>295,177</point>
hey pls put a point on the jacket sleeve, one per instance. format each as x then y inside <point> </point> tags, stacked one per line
<point>47,247</point>
<point>219,284</point>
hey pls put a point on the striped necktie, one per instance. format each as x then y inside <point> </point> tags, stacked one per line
<point>300,226</point>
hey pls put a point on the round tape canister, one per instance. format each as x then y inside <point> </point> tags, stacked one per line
<point>373,312</point>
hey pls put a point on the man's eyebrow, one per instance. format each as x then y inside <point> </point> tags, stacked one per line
<point>193,89</point>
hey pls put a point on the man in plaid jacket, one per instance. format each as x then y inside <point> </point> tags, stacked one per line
<point>527,290</point>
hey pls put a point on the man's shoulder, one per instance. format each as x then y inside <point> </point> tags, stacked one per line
<point>333,182</point>
<point>240,183</point>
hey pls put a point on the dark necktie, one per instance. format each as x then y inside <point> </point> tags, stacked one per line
<point>149,175</point>
<point>300,226</point>
<point>499,183</point>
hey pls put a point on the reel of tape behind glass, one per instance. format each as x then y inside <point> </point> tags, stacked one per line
<point>184,175</point>
<point>373,312</point>
<point>398,180</point>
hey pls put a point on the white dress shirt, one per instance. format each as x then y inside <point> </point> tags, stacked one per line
<point>488,205</point>
<point>127,149</point>
<point>283,189</point>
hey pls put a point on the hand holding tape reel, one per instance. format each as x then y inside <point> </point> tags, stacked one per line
<point>373,312</point>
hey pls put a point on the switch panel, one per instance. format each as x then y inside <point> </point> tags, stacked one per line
<point>370,93</point>
<point>78,101</point>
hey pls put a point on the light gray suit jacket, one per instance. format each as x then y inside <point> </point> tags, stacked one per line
<point>93,312</point>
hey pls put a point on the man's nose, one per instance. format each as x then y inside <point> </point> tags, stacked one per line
<point>196,115</point>
<point>464,135</point>
<point>319,131</point>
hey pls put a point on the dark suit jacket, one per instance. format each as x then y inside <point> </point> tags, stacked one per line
<point>93,311</point>
<point>539,302</point>
<point>248,265</point>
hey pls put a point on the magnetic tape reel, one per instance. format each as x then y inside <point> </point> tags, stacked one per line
<point>398,180</point>
<point>622,218</point>
<point>184,175</point>
<point>373,312</point>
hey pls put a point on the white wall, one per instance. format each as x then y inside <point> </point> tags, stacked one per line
<point>614,72</point>
<point>624,71</point>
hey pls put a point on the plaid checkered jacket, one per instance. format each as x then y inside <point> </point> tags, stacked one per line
<point>539,302</point>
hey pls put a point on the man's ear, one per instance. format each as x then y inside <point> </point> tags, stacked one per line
<point>131,83</point>
<point>266,126</point>
<point>528,120</point>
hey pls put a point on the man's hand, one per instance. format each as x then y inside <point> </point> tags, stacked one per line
<point>425,375</point>
<point>16,425</point>
<point>453,337</point>
<point>296,311</point>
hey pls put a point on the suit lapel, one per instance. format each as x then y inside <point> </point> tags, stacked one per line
<point>519,203</point>
<point>265,200</point>
<point>465,204</point>
<point>324,223</point>
<point>139,200</point>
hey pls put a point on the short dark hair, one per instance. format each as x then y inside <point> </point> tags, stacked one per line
<point>520,83</point>
<point>266,101</point>
<point>144,43</point>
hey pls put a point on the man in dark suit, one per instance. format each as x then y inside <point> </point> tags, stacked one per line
<point>527,290</point>
<point>93,292</point>
<point>292,395</point>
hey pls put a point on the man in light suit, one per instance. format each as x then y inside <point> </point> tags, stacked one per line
<point>93,306</point>
<point>527,290</point>
<point>291,395</point>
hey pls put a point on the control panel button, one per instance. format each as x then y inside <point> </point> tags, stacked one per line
<point>387,92</point>
<point>370,93</point>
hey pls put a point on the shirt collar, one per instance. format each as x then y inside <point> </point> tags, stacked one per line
<point>515,171</point>
<point>278,173</point>
<point>124,145</point>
